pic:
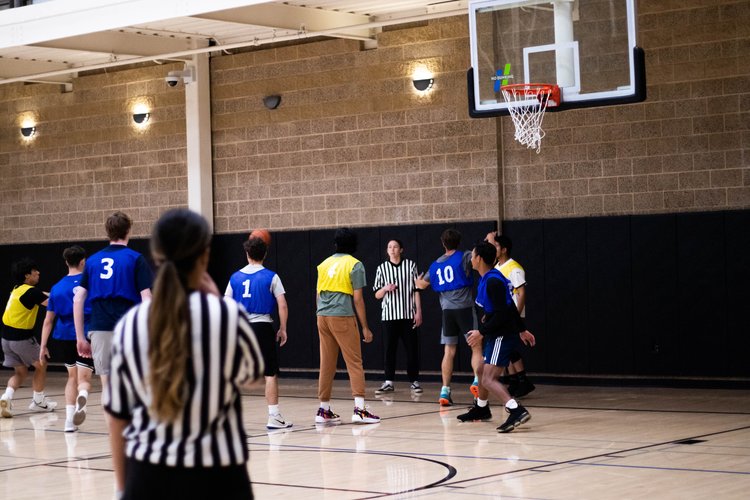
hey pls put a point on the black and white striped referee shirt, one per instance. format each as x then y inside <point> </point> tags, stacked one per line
<point>398,304</point>
<point>225,354</point>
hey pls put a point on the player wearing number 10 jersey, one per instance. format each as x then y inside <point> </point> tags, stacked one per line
<point>451,276</point>
<point>114,279</point>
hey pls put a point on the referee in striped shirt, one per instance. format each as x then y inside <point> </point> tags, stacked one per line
<point>178,363</point>
<point>401,315</point>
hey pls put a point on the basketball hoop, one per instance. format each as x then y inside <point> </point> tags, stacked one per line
<point>526,104</point>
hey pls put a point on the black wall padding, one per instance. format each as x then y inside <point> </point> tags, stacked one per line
<point>701,285</point>
<point>643,295</point>
<point>566,284</point>
<point>610,306</point>
<point>737,301</point>
<point>654,291</point>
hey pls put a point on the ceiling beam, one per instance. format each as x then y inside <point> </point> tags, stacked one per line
<point>13,68</point>
<point>124,43</point>
<point>301,19</point>
<point>46,21</point>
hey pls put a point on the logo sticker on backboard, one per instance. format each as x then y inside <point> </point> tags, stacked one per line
<point>501,77</point>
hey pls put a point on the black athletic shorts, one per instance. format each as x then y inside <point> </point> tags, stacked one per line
<point>266,336</point>
<point>66,352</point>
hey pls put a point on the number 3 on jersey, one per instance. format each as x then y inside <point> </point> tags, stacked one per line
<point>107,263</point>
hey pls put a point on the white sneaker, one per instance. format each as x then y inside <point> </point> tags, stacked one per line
<point>70,426</point>
<point>416,388</point>
<point>46,405</point>
<point>277,422</point>
<point>6,404</point>
<point>80,414</point>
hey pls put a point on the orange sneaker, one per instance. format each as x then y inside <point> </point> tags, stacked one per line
<point>474,388</point>
<point>445,399</point>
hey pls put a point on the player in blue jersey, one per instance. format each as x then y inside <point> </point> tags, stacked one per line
<point>260,292</point>
<point>451,276</point>
<point>516,379</point>
<point>114,280</point>
<point>501,331</point>
<point>62,345</point>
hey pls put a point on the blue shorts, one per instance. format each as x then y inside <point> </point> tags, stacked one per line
<point>497,350</point>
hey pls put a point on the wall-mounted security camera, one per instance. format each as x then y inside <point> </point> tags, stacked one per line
<point>173,78</point>
<point>187,76</point>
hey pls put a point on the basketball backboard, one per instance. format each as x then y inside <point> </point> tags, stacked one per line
<point>586,47</point>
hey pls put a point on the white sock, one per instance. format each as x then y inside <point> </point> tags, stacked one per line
<point>446,388</point>
<point>69,411</point>
<point>273,410</point>
<point>84,393</point>
<point>511,405</point>
<point>38,397</point>
<point>481,403</point>
<point>9,392</point>
<point>359,403</point>
<point>325,405</point>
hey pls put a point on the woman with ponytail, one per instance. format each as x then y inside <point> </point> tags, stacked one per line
<point>178,363</point>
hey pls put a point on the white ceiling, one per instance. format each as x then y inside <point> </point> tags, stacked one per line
<point>53,40</point>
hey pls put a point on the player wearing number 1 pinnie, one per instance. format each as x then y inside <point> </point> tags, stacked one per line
<point>451,276</point>
<point>260,291</point>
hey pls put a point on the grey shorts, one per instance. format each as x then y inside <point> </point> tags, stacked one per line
<point>101,350</point>
<point>20,352</point>
<point>456,323</point>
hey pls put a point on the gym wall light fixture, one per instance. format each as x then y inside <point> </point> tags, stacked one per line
<point>141,111</point>
<point>422,79</point>
<point>272,101</point>
<point>27,121</point>
<point>141,118</point>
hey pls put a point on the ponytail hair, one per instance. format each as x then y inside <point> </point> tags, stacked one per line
<point>179,238</point>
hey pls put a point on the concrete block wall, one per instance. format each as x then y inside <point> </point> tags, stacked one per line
<point>87,158</point>
<point>353,143</point>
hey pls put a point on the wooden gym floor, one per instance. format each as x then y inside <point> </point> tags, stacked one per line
<point>582,442</point>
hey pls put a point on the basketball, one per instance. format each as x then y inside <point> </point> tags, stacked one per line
<point>263,234</point>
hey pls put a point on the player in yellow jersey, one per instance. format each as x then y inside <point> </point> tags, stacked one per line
<point>20,346</point>
<point>341,279</point>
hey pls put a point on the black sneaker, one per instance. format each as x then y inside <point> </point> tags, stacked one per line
<point>523,388</point>
<point>517,417</point>
<point>385,388</point>
<point>476,413</point>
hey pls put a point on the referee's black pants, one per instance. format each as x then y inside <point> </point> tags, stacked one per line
<point>146,481</point>
<point>393,331</point>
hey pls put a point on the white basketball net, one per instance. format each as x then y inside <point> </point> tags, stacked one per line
<point>527,106</point>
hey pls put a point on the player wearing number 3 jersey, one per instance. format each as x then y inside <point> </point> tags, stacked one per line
<point>115,279</point>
